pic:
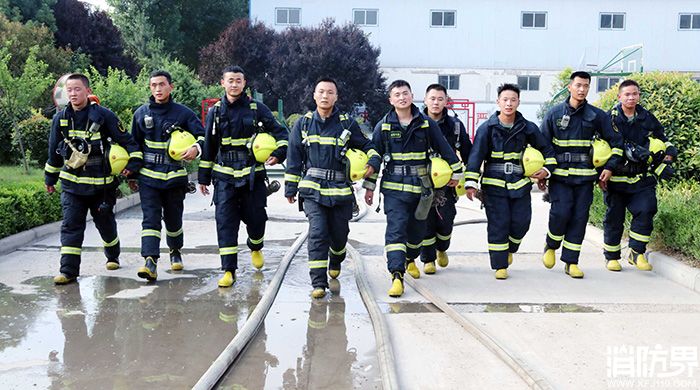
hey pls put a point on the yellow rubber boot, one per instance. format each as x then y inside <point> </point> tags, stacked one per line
<point>149,271</point>
<point>257,259</point>
<point>574,271</point>
<point>510,258</point>
<point>318,293</point>
<point>228,279</point>
<point>613,265</point>
<point>412,269</point>
<point>502,273</point>
<point>112,264</point>
<point>62,278</point>
<point>442,259</point>
<point>639,261</point>
<point>334,273</point>
<point>396,289</point>
<point>549,258</point>
<point>429,268</point>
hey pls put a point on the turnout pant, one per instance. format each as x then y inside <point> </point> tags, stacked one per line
<point>233,205</point>
<point>642,206</point>
<point>508,222</point>
<point>438,226</point>
<point>404,234</point>
<point>568,216</point>
<point>75,208</point>
<point>328,234</point>
<point>156,204</point>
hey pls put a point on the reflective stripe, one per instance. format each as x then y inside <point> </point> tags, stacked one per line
<point>163,175</point>
<point>443,238</point>
<point>282,143</point>
<point>515,240</point>
<point>236,172</point>
<point>136,155</point>
<point>401,187</point>
<point>425,124</point>
<point>550,161</point>
<point>83,134</point>
<point>429,241</point>
<point>472,175</point>
<point>200,138</point>
<point>386,126</point>
<point>570,143</point>
<point>337,253</point>
<point>395,247</point>
<point>205,164</point>
<point>228,250</point>
<point>317,139</point>
<point>256,242</point>
<point>173,234</point>
<point>660,169</point>
<point>506,156</point>
<point>498,247</point>
<point>502,183</point>
<point>228,141</point>
<point>51,169</point>
<point>70,250</point>
<point>495,154</point>
<point>612,248</point>
<point>456,166</point>
<point>413,246</point>
<point>156,144</point>
<point>408,156</point>
<point>555,237</point>
<point>111,243</point>
<point>493,182</point>
<point>291,178</point>
<point>518,184</point>
<point>639,237</point>
<point>626,179</point>
<point>314,264</point>
<point>371,153</point>
<point>345,191</point>
<point>86,180</point>
<point>574,172</point>
<point>617,151</point>
<point>150,233</point>
<point>571,246</point>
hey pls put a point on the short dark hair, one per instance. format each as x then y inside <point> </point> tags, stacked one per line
<point>398,84</point>
<point>326,80</point>
<point>437,87</point>
<point>233,69</point>
<point>159,73</point>
<point>580,74</point>
<point>508,87</point>
<point>81,77</point>
<point>627,83</point>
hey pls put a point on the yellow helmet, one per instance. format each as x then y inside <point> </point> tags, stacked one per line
<point>533,161</point>
<point>440,172</point>
<point>461,188</point>
<point>263,146</point>
<point>118,157</point>
<point>357,160</point>
<point>179,142</point>
<point>656,145</point>
<point>601,152</point>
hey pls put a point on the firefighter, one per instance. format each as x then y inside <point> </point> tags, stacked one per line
<point>647,159</point>
<point>167,133</point>
<point>571,127</point>
<point>443,211</point>
<point>502,143</point>
<point>406,138</point>
<point>319,169</point>
<point>233,126</point>
<point>80,139</point>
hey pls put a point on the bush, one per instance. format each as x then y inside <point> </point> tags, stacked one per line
<point>674,98</point>
<point>35,138</point>
<point>292,119</point>
<point>118,93</point>
<point>26,206</point>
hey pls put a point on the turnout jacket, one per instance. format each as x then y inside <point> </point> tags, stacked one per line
<point>409,147</point>
<point>572,142</point>
<point>316,143</point>
<point>229,130</point>
<point>99,127</point>
<point>455,133</point>
<point>502,149</point>
<point>159,170</point>
<point>637,131</point>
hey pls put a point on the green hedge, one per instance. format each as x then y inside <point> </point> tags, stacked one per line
<point>23,207</point>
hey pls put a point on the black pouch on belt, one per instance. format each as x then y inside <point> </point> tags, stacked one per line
<point>426,198</point>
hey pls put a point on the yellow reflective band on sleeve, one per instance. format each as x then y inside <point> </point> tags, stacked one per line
<point>51,169</point>
<point>456,166</point>
<point>443,238</point>
<point>163,175</point>
<point>237,173</point>
<point>83,134</point>
<point>550,161</point>
<point>282,143</point>
<point>571,246</point>
<point>639,237</point>
<point>63,122</point>
<point>659,169</point>
<point>315,264</point>
<point>493,182</point>
<point>253,105</point>
<point>156,144</point>
<point>150,233</point>
<point>570,143</point>
<point>228,250</point>
<point>617,151</point>
<point>413,246</point>
<point>256,241</point>
<point>138,155</point>
<point>626,179</point>
<point>206,164</point>
<point>515,240</point>
<point>429,241</point>
<point>401,187</point>
<point>374,176</point>
<point>291,178</point>
<point>200,138</point>
<point>70,250</point>
<point>612,248</point>
<point>395,247</point>
<point>228,141</point>
<point>371,153</point>
<point>173,234</point>
<point>498,247</point>
<point>575,172</point>
<point>472,175</point>
<point>95,181</point>
<point>111,243</point>
<point>408,156</point>
<point>337,252</point>
<point>325,191</point>
<point>555,237</point>
<point>518,184</point>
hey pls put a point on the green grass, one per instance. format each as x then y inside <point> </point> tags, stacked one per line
<point>11,175</point>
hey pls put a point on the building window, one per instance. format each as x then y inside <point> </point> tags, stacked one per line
<point>449,81</point>
<point>529,83</point>
<point>533,19</point>
<point>442,18</point>
<point>365,17</point>
<point>605,83</point>
<point>288,16</point>
<point>612,21</point>
<point>689,22</point>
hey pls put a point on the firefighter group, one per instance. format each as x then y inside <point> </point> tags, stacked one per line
<point>425,157</point>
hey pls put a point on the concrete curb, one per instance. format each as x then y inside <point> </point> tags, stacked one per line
<point>664,265</point>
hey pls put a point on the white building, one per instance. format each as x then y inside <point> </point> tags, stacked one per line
<point>472,46</point>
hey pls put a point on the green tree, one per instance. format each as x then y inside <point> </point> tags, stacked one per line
<point>39,11</point>
<point>118,92</point>
<point>558,93</point>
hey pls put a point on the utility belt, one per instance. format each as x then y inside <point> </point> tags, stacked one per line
<point>234,156</point>
<point>326,174</point>
<point>159,158</point>
<point>407,170</point>
<point>569,157</point>
<point>95,161</point>
<point>507,168</point>
<point>632,169</point>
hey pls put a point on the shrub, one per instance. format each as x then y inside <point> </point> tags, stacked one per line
<point>118,93</point>
<point>23,207</point>
<point>35,138</point>
<point>292,119</point>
